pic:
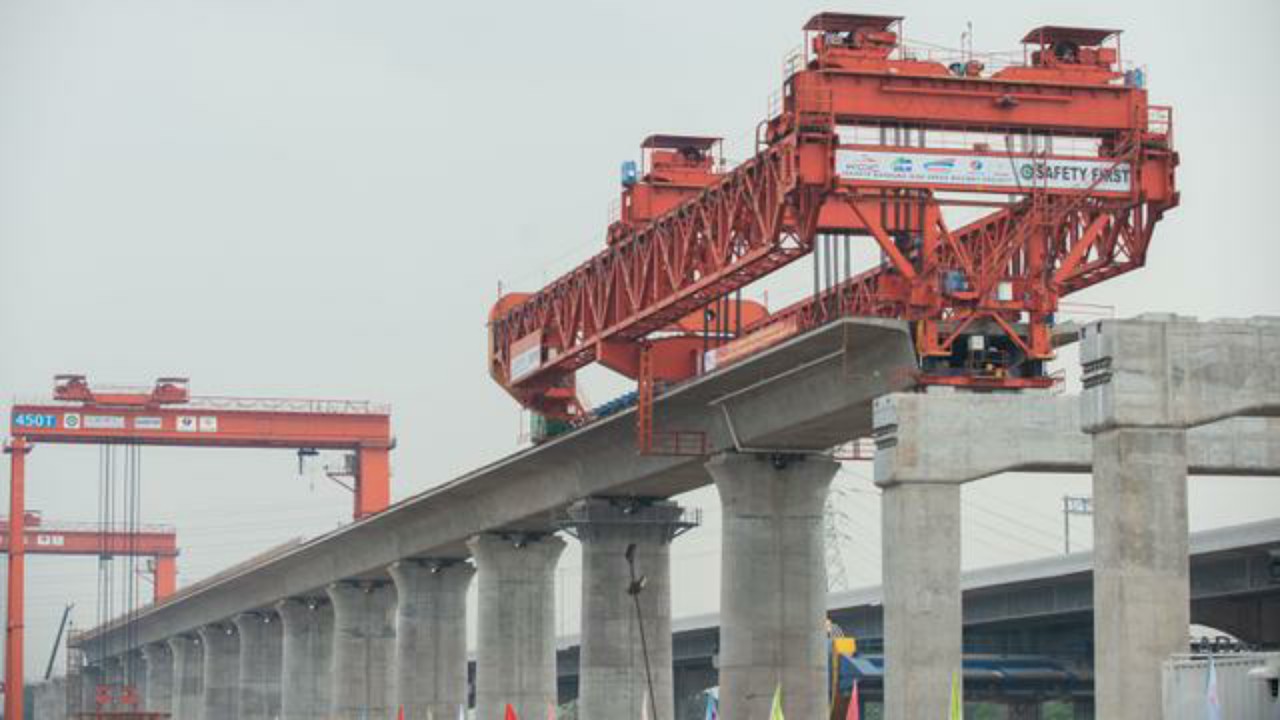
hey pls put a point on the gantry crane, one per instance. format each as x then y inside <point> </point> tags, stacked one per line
<point>1060,155</point>
<point>159,543</point>
<point>166,414</point>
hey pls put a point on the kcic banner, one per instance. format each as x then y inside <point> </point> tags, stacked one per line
<point>1012,172</point>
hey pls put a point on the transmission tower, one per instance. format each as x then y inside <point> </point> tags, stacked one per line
<point>835,520</point>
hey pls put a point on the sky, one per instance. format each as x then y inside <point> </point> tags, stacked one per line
<point>321,198</point>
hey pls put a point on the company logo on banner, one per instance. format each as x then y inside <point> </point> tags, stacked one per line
<point>998,171</point>
<point>147,422</point>
<point>104,422</point>
<point>50,540</point>
<point>208,423</point>
<point>186,423</point>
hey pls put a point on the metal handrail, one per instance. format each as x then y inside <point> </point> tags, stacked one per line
<point>315,406</point>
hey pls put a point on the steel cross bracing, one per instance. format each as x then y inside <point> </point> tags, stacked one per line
<point>993,283</point>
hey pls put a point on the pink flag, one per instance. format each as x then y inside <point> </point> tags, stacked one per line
<point>854,713</point>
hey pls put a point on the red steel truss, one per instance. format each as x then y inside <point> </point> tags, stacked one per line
<point>865,146</point>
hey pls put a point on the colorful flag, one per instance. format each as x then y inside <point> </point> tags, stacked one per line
<point>713,708</point>
<point>510,714</point>
<point>462,711</point>
<point>551,711</point>
<point>1213,704</point>
<point>776,713</point>
<point>957,704</point>
<point>854,713</point>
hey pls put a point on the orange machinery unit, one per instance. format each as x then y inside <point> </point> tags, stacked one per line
<point>158,542</point>
<point>1060,157</point>
<point>168,415</point>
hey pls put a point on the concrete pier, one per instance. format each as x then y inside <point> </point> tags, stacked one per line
<point>516,649</point>
<point>188,676</point>
<point>773,583</point>
<point>261,641</point>
<point>363,649</point>
<point>221,672</point>
<point>159,695</point>
<point>613,681</point>
<point>306,652</point>
<point>1141,575</point>
<point>922,601</point>
<point>431,637</point>
<point>113,677</point>
<point>135,666</point>
<point>1147,380</point>
<point>84,697</point>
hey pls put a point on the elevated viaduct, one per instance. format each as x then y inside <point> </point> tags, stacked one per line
<point>371,617</point>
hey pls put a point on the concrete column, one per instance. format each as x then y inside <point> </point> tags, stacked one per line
<point>431,637</point>
<point>221,672</point>
<point>920,539</point>
<point>1145,381</point>
<point>1141,573</point>
<point>188,676</point>
<point>516,653</point>
<point>261,641</point>
<point>159,695</point>
<point>773,583</point>
<point>85,694</point>
<point>136,677</point>
<point>306,652</point>
<point>612,679</point>
<point>363,649</point>
<point>58,699</point>
<point>113,678</point>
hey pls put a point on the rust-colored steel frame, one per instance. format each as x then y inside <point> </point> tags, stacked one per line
<point>147,422</point>
<point>160,545</point>
<point>767,212</point>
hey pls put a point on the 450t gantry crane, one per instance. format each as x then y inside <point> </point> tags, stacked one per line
<point>1061,157</point>
<point>168,415</point>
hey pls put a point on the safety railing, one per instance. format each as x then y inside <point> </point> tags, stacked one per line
<point>291,405</point>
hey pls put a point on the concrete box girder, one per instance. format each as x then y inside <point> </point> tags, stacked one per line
<point>812,392</point>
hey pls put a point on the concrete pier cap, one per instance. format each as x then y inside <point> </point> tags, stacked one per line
<point>1159,370</point>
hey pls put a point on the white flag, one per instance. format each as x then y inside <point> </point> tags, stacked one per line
<point>1213,706</point>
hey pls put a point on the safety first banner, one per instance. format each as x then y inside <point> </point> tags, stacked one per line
<point>1014,173</point>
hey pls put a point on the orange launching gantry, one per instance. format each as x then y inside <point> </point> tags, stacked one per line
<point>1060,158</point>
<point>167,415</point>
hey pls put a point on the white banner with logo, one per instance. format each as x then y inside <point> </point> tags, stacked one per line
<point>1014,173</point>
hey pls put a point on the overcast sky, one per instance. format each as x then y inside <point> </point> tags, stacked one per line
<point>320,199</point>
